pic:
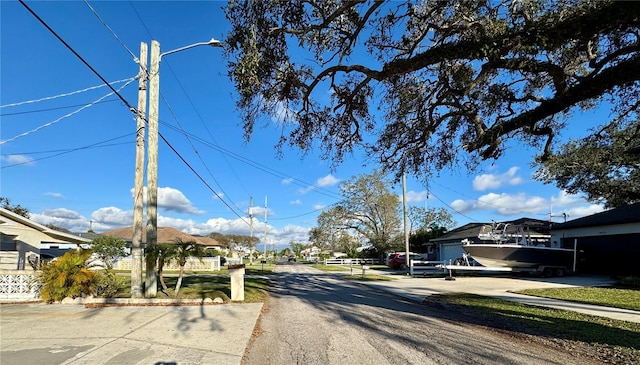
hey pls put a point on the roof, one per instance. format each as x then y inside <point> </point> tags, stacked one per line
<point>621,215</point>
<point>7,215</point>
<point>165,235</point>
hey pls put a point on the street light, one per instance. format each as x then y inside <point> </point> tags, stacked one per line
<point>151,285</point>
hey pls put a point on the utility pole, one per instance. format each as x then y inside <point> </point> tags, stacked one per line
<point>251,230</point>
<point>136,250</point>
<point>265,227</point>
<point>407,258</point>
<point>151,285</point>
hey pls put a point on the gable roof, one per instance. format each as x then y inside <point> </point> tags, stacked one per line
<point>7,217</point>
<point>621,215</point>
<point>165,235</point>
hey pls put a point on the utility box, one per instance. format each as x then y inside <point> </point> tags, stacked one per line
<point>236,273</point>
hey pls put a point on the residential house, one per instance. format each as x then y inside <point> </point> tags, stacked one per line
<point>606,242</point>
<point>24,243</point>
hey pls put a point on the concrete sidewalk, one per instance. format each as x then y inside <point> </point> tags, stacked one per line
<point>417,289</point>
<point>73,334</point>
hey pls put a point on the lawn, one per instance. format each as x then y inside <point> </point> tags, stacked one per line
<point>608,335</point>
<point>201,285</point>
<point>608,297</point>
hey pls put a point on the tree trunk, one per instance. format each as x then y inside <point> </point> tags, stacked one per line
<point>161,278</point>
<point>179,282</point>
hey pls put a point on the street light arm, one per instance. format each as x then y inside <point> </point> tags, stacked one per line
<point>212,42</point>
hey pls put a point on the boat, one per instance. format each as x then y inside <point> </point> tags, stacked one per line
<point>513,246</point>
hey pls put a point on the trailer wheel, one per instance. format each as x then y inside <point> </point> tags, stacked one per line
<point>559,273</point>
<point>547,272</point>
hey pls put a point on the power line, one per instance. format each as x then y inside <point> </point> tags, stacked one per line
<point>131,108</point>
<point>50,109</point>
<point>64,116</point>
<point>63,95</point>
<point>135,58</point>
<point>62,152</point>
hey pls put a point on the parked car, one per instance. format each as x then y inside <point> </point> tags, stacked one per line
<point>398,261</point>
<point>292,258</point>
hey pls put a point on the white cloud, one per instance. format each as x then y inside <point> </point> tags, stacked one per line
<point>18,160</point>
<point>53,195</point>
<point>494,181</point>
<point>296,202</point>
<point>113,217</point>
<point>416,196</point>
<point>172,200</point>
<point>328,180</point>
<point>62,217</point>
<point>319,206</point>
<point>504,204</point>
<point>287,181</point>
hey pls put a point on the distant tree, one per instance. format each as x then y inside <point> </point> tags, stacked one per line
<point>18,209</point>
<point>421,218</point>
<point>422,85</point>
<point>603,166</point>
<point>418,239</point>
<point>368,208</point>
<point>57,228</point>
<point>223,240</point>
<point>108,249</point>
<point>297,247</point>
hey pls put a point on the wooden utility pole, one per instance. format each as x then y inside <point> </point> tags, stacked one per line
<point>265,227</point>
<point>136,250</point>
<point>151,284</point>
<point>251,230</point>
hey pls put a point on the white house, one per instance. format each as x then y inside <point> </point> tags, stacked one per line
<point>24,241</point>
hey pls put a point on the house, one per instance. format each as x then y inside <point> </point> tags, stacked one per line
<point>448,247</point>
<point>164,235</point>
<point>24,242</point>
<point>607,242</point>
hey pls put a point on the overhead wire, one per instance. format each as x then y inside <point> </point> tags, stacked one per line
<point>131,108</point>
<point>50,109</point>
<point>135,58</point>
<point>63,95</point>
<point>100,144</point>
<point>65,116</point>
<point>180,124</point>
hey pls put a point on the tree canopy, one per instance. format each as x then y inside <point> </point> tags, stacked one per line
<point>424,85</point>
<point>16,208</point>
<point>601,165</point>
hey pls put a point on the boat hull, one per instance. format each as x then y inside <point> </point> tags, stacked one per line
<point>519,256</point>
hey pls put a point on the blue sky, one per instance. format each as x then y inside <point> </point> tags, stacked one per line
<point>70,159</point>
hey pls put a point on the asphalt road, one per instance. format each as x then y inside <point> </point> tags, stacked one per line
<point>314,318</point>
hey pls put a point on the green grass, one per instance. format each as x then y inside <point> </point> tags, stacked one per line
<point>619,336</point>
<point>330,267</point>
<point>201,286</point>
<point>609,297</point>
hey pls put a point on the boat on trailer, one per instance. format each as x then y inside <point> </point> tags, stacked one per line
<point>513,248</point>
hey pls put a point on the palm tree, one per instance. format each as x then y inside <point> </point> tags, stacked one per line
<point>166,253</point>
<point>184,250</point>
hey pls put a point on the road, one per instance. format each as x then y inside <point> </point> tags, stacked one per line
<point>315,317</point>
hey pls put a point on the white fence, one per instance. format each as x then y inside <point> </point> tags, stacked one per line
<point>193,264</point>
<point>419,267</point>
<point>345,261</point>
<point>19,285</point>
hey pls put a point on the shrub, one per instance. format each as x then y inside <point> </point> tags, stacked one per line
<point>107,285</point>
<point>67,276</point>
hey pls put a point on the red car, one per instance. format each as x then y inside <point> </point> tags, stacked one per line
<point>397,260</point>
